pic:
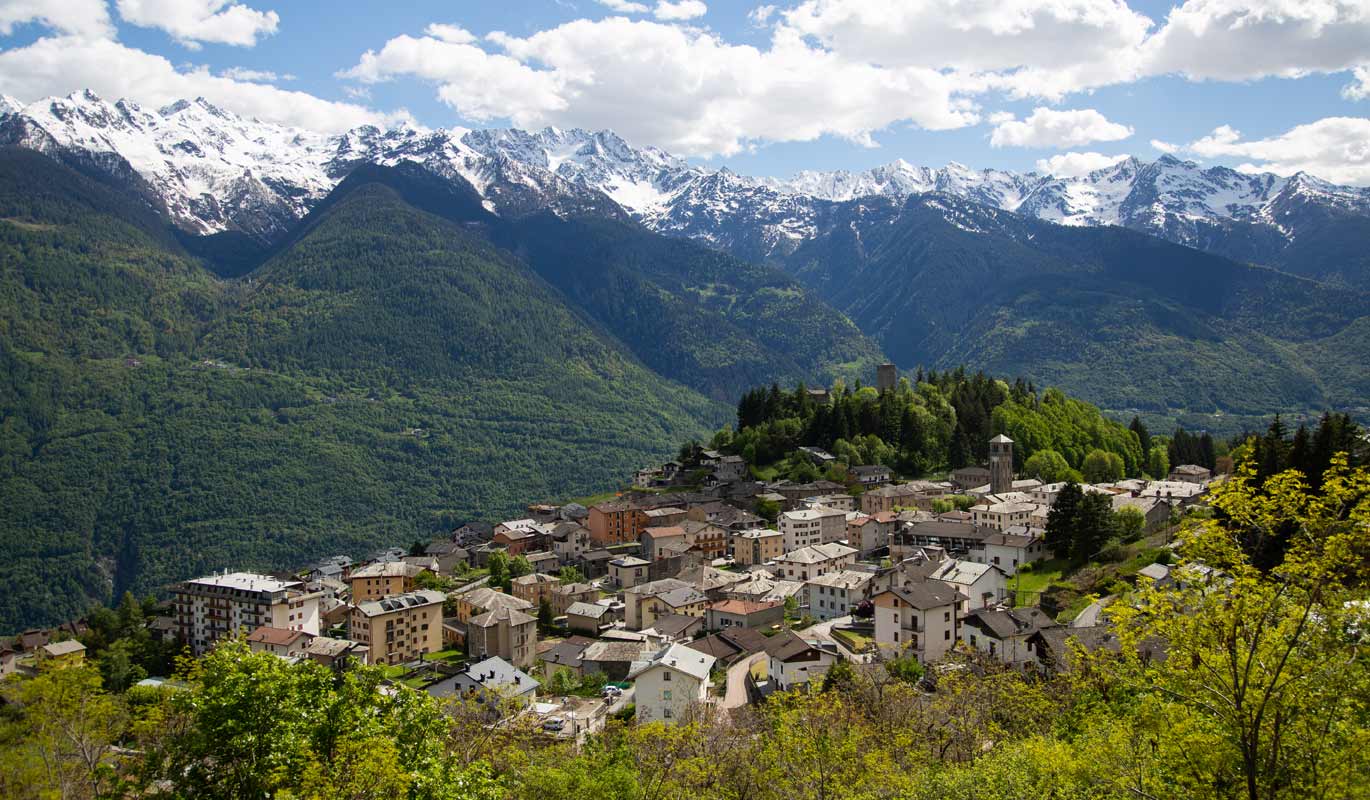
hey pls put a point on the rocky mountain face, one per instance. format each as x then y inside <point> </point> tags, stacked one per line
<point>212,171</point>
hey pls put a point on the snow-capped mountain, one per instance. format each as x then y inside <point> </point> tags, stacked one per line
<point>211,171</point>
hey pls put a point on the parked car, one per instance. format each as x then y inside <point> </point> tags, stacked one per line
<point>554,725</point>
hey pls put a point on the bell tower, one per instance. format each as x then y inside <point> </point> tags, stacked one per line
<point>1000,464</point>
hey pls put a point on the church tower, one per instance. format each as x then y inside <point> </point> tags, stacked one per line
<point>1000,464</point>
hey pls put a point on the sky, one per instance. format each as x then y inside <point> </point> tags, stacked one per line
<point>1059,86</point>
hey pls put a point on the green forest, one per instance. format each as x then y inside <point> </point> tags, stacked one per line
<point>1235,683</point>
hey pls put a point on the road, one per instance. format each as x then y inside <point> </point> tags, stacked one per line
<point>736,694</point>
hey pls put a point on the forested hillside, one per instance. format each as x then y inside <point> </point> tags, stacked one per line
<point>388,376</point>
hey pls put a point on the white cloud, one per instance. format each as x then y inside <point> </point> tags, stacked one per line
<point>56,65</point>
<point>1164,147</point>
<point>88,18</point>
<point>1359,87</point>
<point>1235,40</point>
<point>1074,165</point>
<point>191,22</point>
<point>450,33</point>
<point>760,15</point>
<point>677,87</point>
<point>680,10</point>
<point>255,75</point>
<point>623,6</point>
<point>1046,127</point>
<point>1333,148</point>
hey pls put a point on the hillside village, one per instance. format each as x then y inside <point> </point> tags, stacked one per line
<point>678,593</point>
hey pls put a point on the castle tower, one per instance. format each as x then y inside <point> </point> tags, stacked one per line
<point>1000,464</point>
<point>886,377</point>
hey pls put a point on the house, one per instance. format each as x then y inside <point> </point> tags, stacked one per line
<point>792,660</point>
<point>211,608</point>
<point>954,537</point>
<point>399,628</point>
<point>615,522</point>
<point>713,582</point>
<point>505,632</point>
<point>708,539</point>
<point>730,468</point>
<point>811,562</point>
<point>913,494</point>
<point>1011,549</point>
<point>664,517</point>
<point>757,546</point>
<point>589,618</point>
<point>570,542</point>
<point>870,532</point>
<point>382,579</point>
<point>563,597</point>
<point>840,501</point>
<point>676,627</point>
<point>820,457</point>
<point>836,593</point>
<point>1054,647</point>
<point>810,526</point>
<point>449,555</point>
<point>336,653</point>
<point>725,614</point>
<point>1003,633</point>
<point>685,600</point>
<point>534,588</point>
<point>492,681</point>
<point>478,601</point>
<point>869,475</point>
<point>762,586</point>
<point>615,658</point>
<point>918,617</point>
<point>1155,513</point>
<point>1190,473</point>
<point>519,536</point>
<point>675,678</point>
<point>65,653</point>
<point>728,517</point>
<point>980,584</point>
<point>1159,574</point>
<point>969,477</point>
<point>1002,516</point>
<point>279,641</point>
<point>628,571</point>
<point>565,654</point>
<point>473,533</point>
<point>654,540</point>
<point>731,645</point>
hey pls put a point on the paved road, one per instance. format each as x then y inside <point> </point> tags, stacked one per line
<point>736,695</point>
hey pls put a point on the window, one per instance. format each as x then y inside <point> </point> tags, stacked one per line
<point>946,635</point>
<point>946,616</point>
<point>666,713</point>
<point>666,676</point>
<point>666,695</point>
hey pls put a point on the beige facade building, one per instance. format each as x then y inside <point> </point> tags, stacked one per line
<point>757,546</point>
<point>399,628</point>
<point>219,606</point>
<point>512,635</point>
<point>374,581</point>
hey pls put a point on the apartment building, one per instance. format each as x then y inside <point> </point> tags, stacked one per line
<point>218,606</point>
<point>810,526</point>
<point>382,579</point>
<point>399,628</point>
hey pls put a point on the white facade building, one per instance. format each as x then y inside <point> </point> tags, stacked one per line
<point>219,606</point>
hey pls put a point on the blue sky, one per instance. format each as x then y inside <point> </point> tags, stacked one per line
<point>822,84</point>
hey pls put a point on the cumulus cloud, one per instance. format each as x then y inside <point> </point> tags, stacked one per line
<point>1074,165</point>
<point>56,65</point>
<point>1046,127</point>
<point>191,22</point>
<point>1359,87</point>
<point>677,87</point>
<point>88,18</point>
<point>683,9</point>
<point>1334,148</point>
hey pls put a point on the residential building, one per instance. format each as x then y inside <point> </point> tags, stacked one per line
<point>675,627</point>
<point>534,588</point>
<point>840,501</point>
<point>913,494</point>
<point>917,617</point>
<point>969,477</point>
<point>336,653</point>
<point>493,681</point>
<point>870,532</point>
<point>675,678</point>
<point>1190,473</point>
<point>570,542</point>
<point>563,597</point>
<point>664,517</point>
<point>836,593</point>
<point>685,601</point>
<point>628,571</point>
<point>66,653</point>
<point>706,538</point>
<point>279,641</point>
<point>399,628</point>
<point>954,537</point>
<point>588,618</point>
<point>1003,633</point>
<point>519,536</point>
<point>640,612</point>
<point>616,658</point>
<point>726,614</point>
<point>730,468</point>
<point>505,632</point>
<point>810,562</point>
<point>809,526</point>
<point>1155,513</point>
<point>757,546</point>
<point>382,579</point>
<point>980,585</point>
<point>479,601</point>
<point>615,522</point>
<point>449,555</point>
<point>218,606</point>
<point>792,660</point>
<point>1002,516</point>
<point>870,474</point>
<point>1011,549</point>
<point>819,456</point>
<point>565,654</point>
<point>655,539</point>
<point>731,645</point>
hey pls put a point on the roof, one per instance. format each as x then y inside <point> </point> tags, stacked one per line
<point>279,637</point>
<point>245,581</point>
<point>674,625</point>
<point>684,596</point>
<point>941,529</point>
<point>386,569</point>
<point>486,598</point>
<point>924,595</point>
<point>496,673</point>
<point>591,610</point>
<point>1156,572</point>
<point>962,572</point>
<point>818,553</point>
<point>63,648</point>
<point>1009,540</point>
<point>667,511</point>
<point>607,650</point>
<point>1003,623</point>
<point>1001,439</point>
<point>743,606</point>
<point>630,561</point>
<point>653,588</point>
<point>757,533</point>
<point>400,602</point>
<point>567,653</point>
<point>680,658</point>
<point>535,578</point>
<point>870,469</point>
<point>1190,469</point>
<point>846,579</point>
<point>786,645</point>
<point>329,647</point>
<point>730,643</point>
<point>495,616</point>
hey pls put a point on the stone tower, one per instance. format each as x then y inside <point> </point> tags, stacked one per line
<point>1000,464</point>
<point>886,377</point>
